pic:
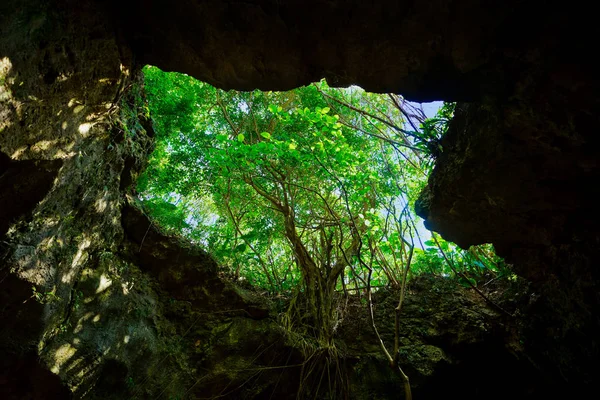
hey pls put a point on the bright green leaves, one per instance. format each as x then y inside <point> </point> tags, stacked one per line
<point>433,129</point>
<point>241,172</point>
<point>275,109</point>
<point>432,245</point>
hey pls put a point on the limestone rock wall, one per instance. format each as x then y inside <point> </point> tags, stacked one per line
<point>72,307</point>
<point>424,50</point>
<point>521,174</point>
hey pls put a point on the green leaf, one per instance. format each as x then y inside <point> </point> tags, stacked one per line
<point>240,137</point>
<point>241,248</point>
<point>266,135</point>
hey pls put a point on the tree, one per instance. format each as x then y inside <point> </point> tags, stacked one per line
<point>309,191</point>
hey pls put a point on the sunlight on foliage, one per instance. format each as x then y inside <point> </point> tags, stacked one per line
<point>283,187</point>
<point>308,193</point>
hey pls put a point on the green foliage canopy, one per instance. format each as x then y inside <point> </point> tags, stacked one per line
<point>309,192</point>
<point>315,183</point>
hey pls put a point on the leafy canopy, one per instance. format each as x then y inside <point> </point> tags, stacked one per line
<point>284,187</point>
<point>309,192</point>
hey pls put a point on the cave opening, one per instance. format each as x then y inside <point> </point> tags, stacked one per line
<point>385,145</point>
<point>306,196</point>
